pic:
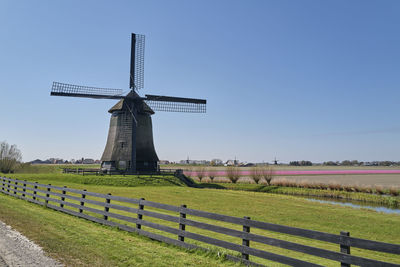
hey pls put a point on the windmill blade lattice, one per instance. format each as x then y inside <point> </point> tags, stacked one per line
<point>176,104</point>
<point>64,89</point>
<point>137,61</point>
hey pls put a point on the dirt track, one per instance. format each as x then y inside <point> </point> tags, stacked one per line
<point>2,262</point>
<point>17,250</point>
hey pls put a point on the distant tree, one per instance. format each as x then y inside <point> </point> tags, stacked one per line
<point>301,163</point>
<point>346,163</point>
<point>385,163</point>
<point>201,172</point>
<point>256,173</point>
<point>268,173</point>
<point>233,173</point>
<point>216,162</point>
<point>330,163</point>
<point>10,156</point>
<point>305,163</point>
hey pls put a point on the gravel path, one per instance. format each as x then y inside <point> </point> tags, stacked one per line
<point>17,250</point>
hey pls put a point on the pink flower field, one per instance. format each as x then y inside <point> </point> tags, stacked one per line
<point>314,172</point>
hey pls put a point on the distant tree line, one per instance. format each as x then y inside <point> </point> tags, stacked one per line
<point>361,163</point>
<point>347,163</point>
<point>301,163</point>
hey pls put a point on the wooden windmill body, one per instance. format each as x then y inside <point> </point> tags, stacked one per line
<point>130,145</point>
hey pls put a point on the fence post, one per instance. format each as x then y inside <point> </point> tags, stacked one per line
<point>106,209</point>
<point>246,242</point>
<point>344,248</point>
<point>34,191</point>
<point>182,226</point>
<point>82,202</point>
<point>8,186</point>
<point>140,216</point>
<point>24,189</point>
<point>15,188</point>
<point>63,198</point>
<point>2,183</point>
<point>47,194</point>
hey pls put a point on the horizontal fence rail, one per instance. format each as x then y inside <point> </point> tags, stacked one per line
<point>61,199</point>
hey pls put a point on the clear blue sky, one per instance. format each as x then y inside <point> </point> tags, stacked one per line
<point>312,80</point>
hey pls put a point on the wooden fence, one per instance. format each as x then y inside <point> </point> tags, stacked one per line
<point>77,203</point>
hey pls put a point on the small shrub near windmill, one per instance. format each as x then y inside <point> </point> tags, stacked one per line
<point>10,157</point>
<point>256,174</point>
<point>201,172</point>
<point>233,173</point>
<point>211,177</point>
<point>394,191</point>
<point>268,173</point>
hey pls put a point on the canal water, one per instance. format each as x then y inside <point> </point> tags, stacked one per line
<point>355,204</point>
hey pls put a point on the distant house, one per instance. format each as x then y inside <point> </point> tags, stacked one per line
<point>88,161</point>
<point>230,162</point>
<point>217,162</point>
<point>38,161</point>
<point>194,162</point>
<point>249,165</point>
<point>164,162</point>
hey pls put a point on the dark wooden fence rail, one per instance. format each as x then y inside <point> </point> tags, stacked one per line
<point>43,194</point>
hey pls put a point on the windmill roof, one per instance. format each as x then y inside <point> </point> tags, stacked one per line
<point>117,107</point>
<point>120,106</point>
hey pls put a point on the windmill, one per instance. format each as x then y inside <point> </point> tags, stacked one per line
<point>130,146</point>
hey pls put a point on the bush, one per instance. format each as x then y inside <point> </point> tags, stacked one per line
<point>394,191</point>
<point>379,189</point>
<point>201,172</point>
<point>268,173</point>
<point>256,174</point>
<point>10,156</point>
<point>233,173</point>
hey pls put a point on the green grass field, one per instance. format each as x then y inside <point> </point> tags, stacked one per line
<point>77,242</point>
<point>274,208</point>
<point>385,200</point>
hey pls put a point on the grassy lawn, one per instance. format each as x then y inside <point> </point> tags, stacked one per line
<point>392,201</point>
<point>115,180</point>
<point>77,242</point>
<point>273,208</point>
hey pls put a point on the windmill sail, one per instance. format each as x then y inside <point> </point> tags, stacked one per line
<point>64,89</point>
<point>136,80</point>
<point>176,104</point>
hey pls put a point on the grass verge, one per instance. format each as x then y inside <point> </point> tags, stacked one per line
<point>273,208</point>
<point>77,242</point>
<point>115,180</point>
<point>390,201</point>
